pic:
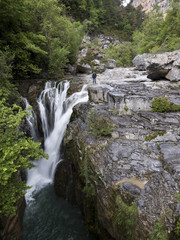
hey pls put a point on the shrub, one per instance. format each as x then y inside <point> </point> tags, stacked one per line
<point>123,53</point>
<point>162,104</point>
<point>126,217</point>
<point>154,134</point>
<point>177,228</point>
<point>159,232</point>
<point>100,126</point>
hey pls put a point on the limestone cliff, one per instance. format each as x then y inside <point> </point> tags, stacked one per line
<point>124,158</point>
<point>147,5</point>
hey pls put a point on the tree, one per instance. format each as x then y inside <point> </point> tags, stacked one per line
<point>16,150</point>
<point>158,34</point>
<point>63,37</point>
<point>15,32</point>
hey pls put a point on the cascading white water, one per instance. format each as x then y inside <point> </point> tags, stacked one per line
<point>55,112</point>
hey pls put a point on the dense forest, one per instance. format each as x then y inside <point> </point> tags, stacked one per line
<point>42,36</point>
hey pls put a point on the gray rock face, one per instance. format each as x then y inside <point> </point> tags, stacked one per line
<point>148,5</point>
<point>160,66</point>
<point>84,68</point>
<point>103,42</point>
<point>111,64</point>
<point>130,162</point>
<point>11,226</point>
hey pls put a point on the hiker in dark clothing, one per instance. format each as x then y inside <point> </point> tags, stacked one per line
<point>94,77</point>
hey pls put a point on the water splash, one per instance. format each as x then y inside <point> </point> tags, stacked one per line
<point>55,112</point>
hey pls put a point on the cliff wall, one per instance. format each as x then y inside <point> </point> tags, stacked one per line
<point>148,5</point>
<point>124,158</point>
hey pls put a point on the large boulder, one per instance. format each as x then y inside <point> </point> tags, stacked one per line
<point>111,63</point>
<point>84,68</point>
<point>160,66</point>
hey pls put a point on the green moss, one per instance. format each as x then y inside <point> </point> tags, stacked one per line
<point>177,196</point>
<point>158,147</point>
<point>100,126</point>
<point>89,176</point>
<point>126,217</point>
<point>126,108</point>
<point>162,104</point>
<point>154,134</point>
<point>116,112</point>
<point>177,228</point>
<point>159,232</point>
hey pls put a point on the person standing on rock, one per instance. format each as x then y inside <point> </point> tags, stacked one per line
<point>94,75</point>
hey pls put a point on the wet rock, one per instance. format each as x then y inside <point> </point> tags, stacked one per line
<point>11,227</point>
<point>61,179</point>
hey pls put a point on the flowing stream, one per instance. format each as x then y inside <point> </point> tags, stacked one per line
<point>48,217</point>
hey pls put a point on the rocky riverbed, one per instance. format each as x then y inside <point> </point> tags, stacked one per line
<point>117,148</point>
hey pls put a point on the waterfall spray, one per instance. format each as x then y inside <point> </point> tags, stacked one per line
<point>55,112</point>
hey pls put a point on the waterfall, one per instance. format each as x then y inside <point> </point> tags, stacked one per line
<point>55,112</point>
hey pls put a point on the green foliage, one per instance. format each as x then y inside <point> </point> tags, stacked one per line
<point>177,228</point>
<point>177,196</point>
<point>7,90</point>
<point>105,16</point>
<point>17,34</point>
<point>123,53</point>
<point>162,104</point>
<point>38,35</point>
<point>159,232</point>
<point>15,152</point>
<point>99,125</point>
<point>115,111</point>
<point>88,174</point>
<point>158,35</point>
<point>62,36</point>
<point>126,217</point>
<point>154,134</point>
<point>126,109</point>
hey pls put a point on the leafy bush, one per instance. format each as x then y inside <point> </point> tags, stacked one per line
<point>99,125</point>
<point>126,217</point>
<point>162,104</point>
<point>159,232</point>
<point>177,228</point>
<point>154,135</point>
<point>123,53</point>
<point>15,152</point>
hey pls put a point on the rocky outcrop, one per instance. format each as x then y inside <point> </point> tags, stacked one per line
<point>125,158</point>
<point>160,66</point>
<point>148,5</point>
<point>91,56</point>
